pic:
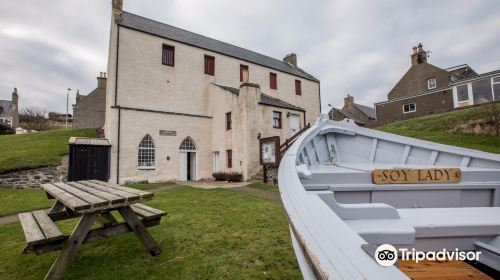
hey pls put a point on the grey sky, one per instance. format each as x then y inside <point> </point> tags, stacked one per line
<point>356,47</point>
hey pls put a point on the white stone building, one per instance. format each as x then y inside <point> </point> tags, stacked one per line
<point>9,111</point>
<point>181,106</point>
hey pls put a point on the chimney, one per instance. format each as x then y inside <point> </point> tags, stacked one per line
<point>348,101</point>
<point>15,109</point>
<point>291,59</point>
<point>414,56</point>
<point>15,97</point>
<point>419,55</point>
<point>117,5</point>
<point>101,80</point>
<point>77,97</point>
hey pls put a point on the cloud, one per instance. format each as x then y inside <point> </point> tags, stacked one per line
<point>357,47</point>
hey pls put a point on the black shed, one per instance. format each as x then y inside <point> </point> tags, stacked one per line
<point>89,158</point>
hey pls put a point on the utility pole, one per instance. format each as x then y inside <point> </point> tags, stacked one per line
<point>67,105</point>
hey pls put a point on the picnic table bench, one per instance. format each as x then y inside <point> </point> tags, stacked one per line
<point>93,201</point>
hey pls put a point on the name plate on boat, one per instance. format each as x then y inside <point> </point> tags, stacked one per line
<point>416,176</point>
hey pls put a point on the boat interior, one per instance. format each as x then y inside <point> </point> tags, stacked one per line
<point>335,163</point>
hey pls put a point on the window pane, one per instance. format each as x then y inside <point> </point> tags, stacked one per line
<point>462,93</point>
<point>146,152</point>
<point>187,144</point>
<point>496,80</point>
<point>298,88</point>
<point>481,91</point>
<point>496,89</point>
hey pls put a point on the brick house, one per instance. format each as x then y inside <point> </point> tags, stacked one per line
<point>89,110</point>
<point>423,90</point>
<point>361,115</point>
<point>181,106</point>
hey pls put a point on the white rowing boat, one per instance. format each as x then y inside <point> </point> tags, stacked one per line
<point>347,189</point>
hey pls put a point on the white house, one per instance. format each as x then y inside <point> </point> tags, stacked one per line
<point>9,111</point>
<point>181,106</point>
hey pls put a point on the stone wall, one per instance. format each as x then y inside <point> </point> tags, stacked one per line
<point>33,178</point>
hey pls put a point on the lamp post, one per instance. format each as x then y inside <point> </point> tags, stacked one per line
<point>67,105</point>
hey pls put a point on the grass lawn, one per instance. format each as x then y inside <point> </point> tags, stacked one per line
<point>435,128</point>
<point>152,186</point>
<point>22,200</point>
<point>37,149</point>
<point>265,187</point>
<point>208,234</point>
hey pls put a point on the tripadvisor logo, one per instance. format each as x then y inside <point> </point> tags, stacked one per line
<point>387,255</point>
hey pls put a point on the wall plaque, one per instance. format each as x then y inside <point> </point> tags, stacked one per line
<point>416,176</point>
<point>168,133</point>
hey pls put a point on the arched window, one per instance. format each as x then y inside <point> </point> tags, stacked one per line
<point>146,155</point>
<point>188,145</point>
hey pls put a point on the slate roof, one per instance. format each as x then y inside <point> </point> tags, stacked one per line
<point>5,109</point>
<point>478,76</point>
<point>265,99</point>
<point>348,115</point>
<point>136,22</point>
<point>369,111</point>
<point>275,102</point>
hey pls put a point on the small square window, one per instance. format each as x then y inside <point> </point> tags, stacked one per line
<point>431,83</point>
<point>409,108</point>
<point>209,65</point>
<point>276,119</point>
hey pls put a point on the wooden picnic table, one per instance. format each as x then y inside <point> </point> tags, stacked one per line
<point>93,201</point>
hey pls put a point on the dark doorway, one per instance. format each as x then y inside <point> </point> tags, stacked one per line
<point>189,167</point>
<point>89,159</point>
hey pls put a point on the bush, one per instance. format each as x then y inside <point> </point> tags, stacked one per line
<point>231,177</point>
<point>5,129</point>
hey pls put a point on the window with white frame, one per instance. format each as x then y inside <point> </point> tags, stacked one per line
<point>495,84</point>
<point>431,83</point>
<point>146,153</point>
<point>462,93</point>
<point>410,107</point>
<point>187,145</point>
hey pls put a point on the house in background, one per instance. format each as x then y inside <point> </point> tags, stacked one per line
<point>89,110</point>
<point>9,111</point>
<point>181,106</point>
<point>477,89</point>
<point>426,89</point>
<point>361,115</point>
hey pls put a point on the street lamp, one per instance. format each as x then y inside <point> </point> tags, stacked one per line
<point>67,105</point>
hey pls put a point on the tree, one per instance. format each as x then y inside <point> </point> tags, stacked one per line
<point>33,118</point>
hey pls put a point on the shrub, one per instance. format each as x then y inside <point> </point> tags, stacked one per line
<point>231,177</point>
<point>5,129</point>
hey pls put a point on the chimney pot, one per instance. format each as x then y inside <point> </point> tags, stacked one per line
<point>349,100</point>
<point>117,5</point>
<point>291,59</point>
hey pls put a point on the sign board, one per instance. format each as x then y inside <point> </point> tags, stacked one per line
<point>416,176</point>
<point>168,133</point>
<point>269,150</point>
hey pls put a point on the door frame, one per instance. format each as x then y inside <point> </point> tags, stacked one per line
<point>187,158</point>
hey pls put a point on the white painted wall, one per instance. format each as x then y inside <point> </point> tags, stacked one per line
<point>143,82</point>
